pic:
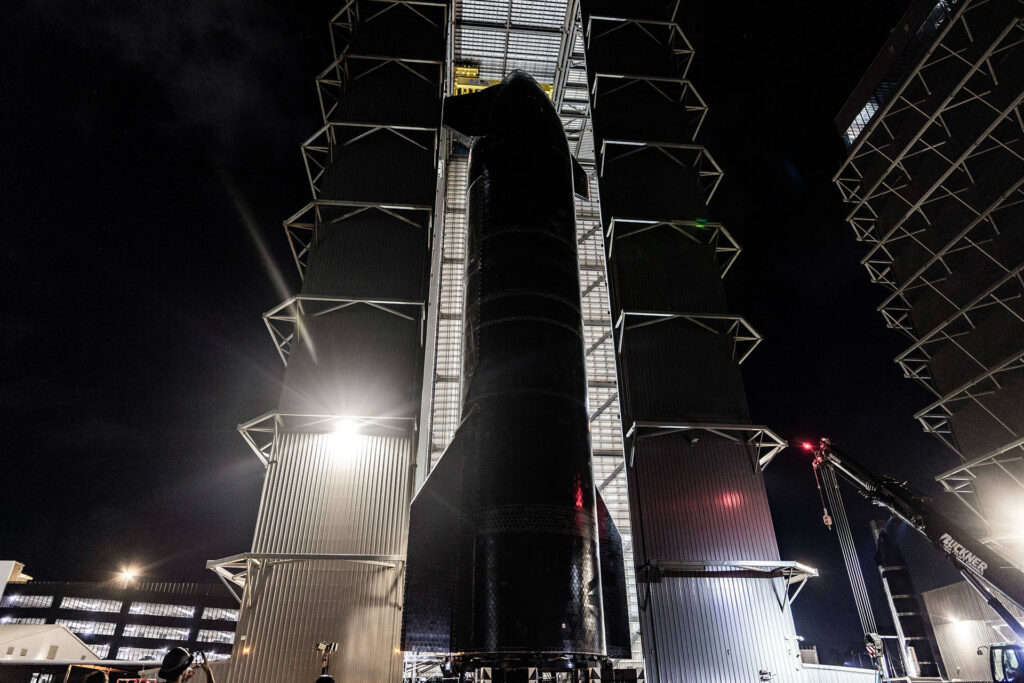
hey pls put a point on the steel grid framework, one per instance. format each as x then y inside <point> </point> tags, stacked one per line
<point>763,442</point>
<point>261,433</point>
<point>898,195</point>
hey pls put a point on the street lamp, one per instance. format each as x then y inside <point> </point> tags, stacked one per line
<point>128,574</point>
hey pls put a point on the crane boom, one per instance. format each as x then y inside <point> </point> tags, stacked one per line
<point>981,566</point>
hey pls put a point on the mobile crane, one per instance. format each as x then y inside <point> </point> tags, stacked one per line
<point>984,569</point>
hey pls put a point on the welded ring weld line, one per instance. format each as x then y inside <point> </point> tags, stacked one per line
<point>529,318</point>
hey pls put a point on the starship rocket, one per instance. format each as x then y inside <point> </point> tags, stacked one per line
<point>513,557</point>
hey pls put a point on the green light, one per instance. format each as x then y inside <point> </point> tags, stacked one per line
<point>702,223</point>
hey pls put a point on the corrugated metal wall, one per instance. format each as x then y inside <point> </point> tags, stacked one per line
<point>322,497</point>
<point>962,623</point>
<point>326,494</point>
<point>695,495</point>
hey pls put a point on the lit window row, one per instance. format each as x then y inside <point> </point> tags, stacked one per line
<point>159,609</point>
<point>101,649</point>
<point>102,628</point>
<point>210,636</point>
<point>140,654</point>
<point>22,620</point>
<point>221,613</point>
<point>91,604</point>
<point>156,632</point>
<point>28,600</point>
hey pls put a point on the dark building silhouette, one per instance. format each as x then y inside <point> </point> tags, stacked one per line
<point>935,183</point>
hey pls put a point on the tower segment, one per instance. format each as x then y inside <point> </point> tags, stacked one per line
<point>713,593</point>
<point>327,557</point>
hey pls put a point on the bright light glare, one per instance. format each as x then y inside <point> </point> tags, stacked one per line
<point>345,439</point>
<point>807,445</point>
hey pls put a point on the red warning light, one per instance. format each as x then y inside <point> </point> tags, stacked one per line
<point>807,445</point>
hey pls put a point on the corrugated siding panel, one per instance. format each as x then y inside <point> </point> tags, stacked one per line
<point>675,370</point>
<point>318,499</point>
<point>962,622</point>
<point>703,502</point>
<point>710,630</point>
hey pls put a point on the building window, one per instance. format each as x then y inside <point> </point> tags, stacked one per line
<point>28,601</point>
<point>210,636</point>
<point>161,632</point>
<point>101,649</point>
<point>41,678</point>
<point>140,654</point>
<point>100,628</point>
<point>220,613</point>
<point>91,604</point>
<point>214,656</point>
<point>23,620</point>
<point>159,609</point>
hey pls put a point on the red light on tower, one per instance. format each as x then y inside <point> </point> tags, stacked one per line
<point>807,445</point>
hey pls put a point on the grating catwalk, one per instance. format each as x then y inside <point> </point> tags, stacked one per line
<point>935,182</point>
<point>327,554</point>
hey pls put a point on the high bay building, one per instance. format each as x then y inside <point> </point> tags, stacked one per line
<point>935,183</point>
<point>372,345</point>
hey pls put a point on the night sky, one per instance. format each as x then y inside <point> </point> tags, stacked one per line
<point>149,154</point>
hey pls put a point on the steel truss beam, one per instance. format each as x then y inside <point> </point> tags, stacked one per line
<point>935,417</point>
<point>931,134</point>
<point>976,235</point>
<point>241,573</point>
<point>744,337</point>
<point>766,443</point>
<point>318,150</point>
<point>662,32</point>
<point>686,155</point>
<point>916,218</point>
<point>284,321</point>
<point>914,361</point>
<point>794,575</point>
<point>713,234</point>
<point>675,90</point>
<point>900,103</point>
<point>261,433</point>
<point>302,226</point>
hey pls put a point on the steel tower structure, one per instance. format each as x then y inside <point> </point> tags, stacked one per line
<point>326,560</point>
<point>714,595</point>
<point>935,180</point>
<point>372,347</point>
